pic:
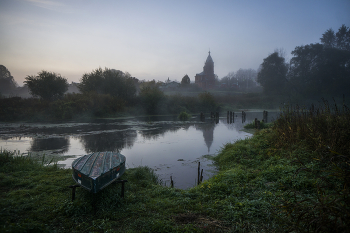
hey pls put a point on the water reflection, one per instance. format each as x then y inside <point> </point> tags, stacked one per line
<point>171,147</point>
<point>155,131</point>
<point>114,141</point>
<point>208,133</point>
<point>60,144</point>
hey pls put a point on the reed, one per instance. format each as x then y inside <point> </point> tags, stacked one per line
<point>324,133</point>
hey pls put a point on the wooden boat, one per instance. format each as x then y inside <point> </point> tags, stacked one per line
<point>98,170</point>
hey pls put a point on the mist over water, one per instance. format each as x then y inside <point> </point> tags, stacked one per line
<point>167,145</point>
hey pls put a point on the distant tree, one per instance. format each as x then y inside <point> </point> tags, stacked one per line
<point>246,78</point>
<point>7,82</point>
<point>272,75</point>
<point>323,68</point>
<point>92,82</point>
<point>185,80</point>
<point>228,80</point>
<point>207,101</point>
<point>328,38</point>
<point>339,40</point>
<point>343,38</point>
<point>47,85</point>
<point>109,81</point>
<point>318,69</point>
<point>150,97</point>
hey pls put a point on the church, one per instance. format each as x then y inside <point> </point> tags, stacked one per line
<point>206,79</point>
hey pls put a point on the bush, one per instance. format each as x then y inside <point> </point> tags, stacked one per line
<point>184,116</point>
<point>47,85</point>
<point>109,82</point>
<point>207,102</point>
<point>151,98</point>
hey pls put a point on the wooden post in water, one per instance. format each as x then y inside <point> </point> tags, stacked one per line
<point>243,116</point>
<point>265,116</point>
<point>198,176</point>
<point>171,182</point>
<point>255,124</point>
<point>201,178</point>
<point>202,117</point>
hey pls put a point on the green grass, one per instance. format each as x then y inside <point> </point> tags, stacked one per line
<point>184,116</point>
<point>263,125</point>
<point>276,181</point>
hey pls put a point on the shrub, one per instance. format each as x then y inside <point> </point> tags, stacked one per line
<point>184,116</point>
<point>47,85</point>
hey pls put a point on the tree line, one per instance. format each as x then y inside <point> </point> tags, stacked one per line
<point>104,92</point>
<point>52,86</point>
<point>321,69</point>
<point>242,79</point>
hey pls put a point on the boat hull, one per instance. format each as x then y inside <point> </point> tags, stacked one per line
<point>96,171</point>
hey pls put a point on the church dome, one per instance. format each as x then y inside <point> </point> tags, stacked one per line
<point>209,59</point>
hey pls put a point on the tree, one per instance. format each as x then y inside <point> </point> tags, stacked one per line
<point>339,40</point>
<point>229,80</point>
<point>246,78</point>
<point>207,101</point>
<point>109,81</point>
<point>317,69</point>
<point>185,80</point>
<point>323,68</point>
<point>7,82</point>
<point>92,82</point>
<point>343,38</point>
<point>151,97</point>
<point>47,85</point>
<point>328,38</point>
<point>272,75</point>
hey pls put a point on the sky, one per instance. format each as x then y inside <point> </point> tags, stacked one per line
<point>157,39</point>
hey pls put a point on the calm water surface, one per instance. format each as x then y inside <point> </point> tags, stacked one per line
<point>169,146</point>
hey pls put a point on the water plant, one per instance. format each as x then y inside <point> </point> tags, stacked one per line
<point>184,116</point>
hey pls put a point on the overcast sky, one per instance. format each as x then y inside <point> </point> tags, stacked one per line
<point>157,39</point>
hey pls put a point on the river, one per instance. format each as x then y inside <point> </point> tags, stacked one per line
<point>169,146</point>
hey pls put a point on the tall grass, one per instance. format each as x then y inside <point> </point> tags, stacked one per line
<point>324,132</point>
<point>323,128</point>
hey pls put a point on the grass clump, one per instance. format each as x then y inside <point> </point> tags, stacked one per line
<point>263,125</point>
<point>184,116</point>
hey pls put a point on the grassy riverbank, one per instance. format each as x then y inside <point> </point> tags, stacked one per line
<point>290,177</point>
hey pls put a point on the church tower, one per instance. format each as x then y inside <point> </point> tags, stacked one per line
<point>206,79</point>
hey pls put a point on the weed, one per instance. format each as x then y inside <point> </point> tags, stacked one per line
<point>184,116</point>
